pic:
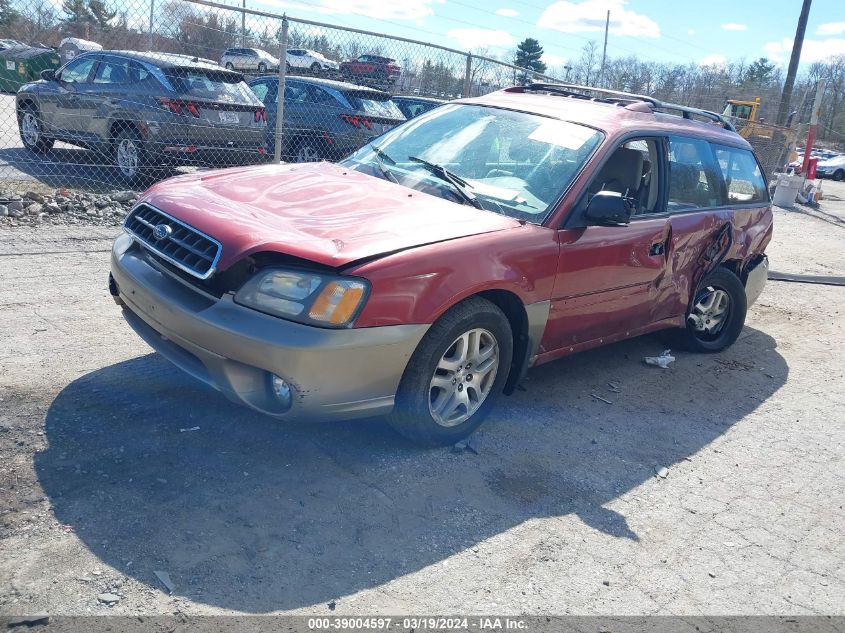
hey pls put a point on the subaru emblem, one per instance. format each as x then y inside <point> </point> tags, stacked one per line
<point>162,231</point>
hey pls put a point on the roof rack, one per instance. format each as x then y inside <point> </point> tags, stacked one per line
<point>625,98</point>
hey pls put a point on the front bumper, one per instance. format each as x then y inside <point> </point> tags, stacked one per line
<point>332,373</point>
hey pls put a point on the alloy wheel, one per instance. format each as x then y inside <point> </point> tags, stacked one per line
<point>30,129</point>
<point>307,154</point>
<point>127,157</point>
<point>464,377</point>
<point>710,312</point>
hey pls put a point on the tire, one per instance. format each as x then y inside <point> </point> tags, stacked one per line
<point>31,130</point>
<point>423,411</point>
<point>307,151</point>
<point>839,175</point>
<point>129,155</point>
<point>230,66</point>
<point>262,68</point>
<point>315,68</point>
<point>717,313</point>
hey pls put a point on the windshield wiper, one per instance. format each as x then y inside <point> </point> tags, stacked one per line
<point>382,158</point>
<point>461,186</point>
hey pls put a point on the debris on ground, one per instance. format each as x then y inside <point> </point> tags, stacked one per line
<point>662,472</point>
<point>29,622</point>
<point>612,386</point>
<point>164,577</point>
<point>332,605</point>
<point>598,397</point>
<point>108,598</point>
<point>64,207</point>
<point>193,428</point>
<point>473,443</point>
<point>663,361</point>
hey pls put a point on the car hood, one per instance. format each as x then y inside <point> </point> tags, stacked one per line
<point>316,211</point>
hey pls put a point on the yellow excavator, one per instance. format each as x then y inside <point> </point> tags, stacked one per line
<point>765,138</point>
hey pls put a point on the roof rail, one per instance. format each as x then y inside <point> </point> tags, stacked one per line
<point>617,96</point>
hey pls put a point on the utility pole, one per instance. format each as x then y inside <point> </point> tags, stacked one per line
<point>814,122</point>
<point>152,12</point>
<point>568,70</point>
<point>786,97</point>
<point>600,82</point>
<point>243,26</point>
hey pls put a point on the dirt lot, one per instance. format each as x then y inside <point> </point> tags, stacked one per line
<point>103,480</point>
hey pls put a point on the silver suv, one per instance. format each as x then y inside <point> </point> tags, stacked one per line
<point>249,60</point>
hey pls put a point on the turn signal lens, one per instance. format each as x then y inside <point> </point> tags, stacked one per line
<point>338,302</point>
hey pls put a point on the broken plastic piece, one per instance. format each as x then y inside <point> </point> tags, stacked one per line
<point>663,361</point>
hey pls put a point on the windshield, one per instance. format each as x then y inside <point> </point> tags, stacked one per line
<point>513,163</point>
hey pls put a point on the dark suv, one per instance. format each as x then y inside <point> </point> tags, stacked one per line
<point>325,119</point>
<point>142,109</point>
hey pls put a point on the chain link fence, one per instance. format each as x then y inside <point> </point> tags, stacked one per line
<point>135,93</point>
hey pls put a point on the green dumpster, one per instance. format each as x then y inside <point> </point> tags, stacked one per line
<point>22,64</point>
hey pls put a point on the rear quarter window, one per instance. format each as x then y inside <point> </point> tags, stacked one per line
<point>742,175</point>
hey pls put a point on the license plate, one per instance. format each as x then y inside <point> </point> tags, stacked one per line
<point>229,117</point>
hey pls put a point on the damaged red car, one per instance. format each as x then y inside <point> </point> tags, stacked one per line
<point>421,277</point>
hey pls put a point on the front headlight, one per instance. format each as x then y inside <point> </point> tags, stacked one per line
<point>306,297</point>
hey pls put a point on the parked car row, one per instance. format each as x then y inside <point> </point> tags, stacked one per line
<point>369,69</point>
<point>148,109</point>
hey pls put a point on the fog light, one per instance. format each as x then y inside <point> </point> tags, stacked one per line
<point>281,390</point>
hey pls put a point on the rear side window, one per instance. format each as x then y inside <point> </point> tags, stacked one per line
<point>694,179</point>
<point>264,91</point>
<point>210,84</point>
<point>120,71</point>
<point>374,105</point>
<point>743,178</point>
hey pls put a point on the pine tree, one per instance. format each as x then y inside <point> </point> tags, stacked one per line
<point>8,14</point>
<point>100,14</point>
<point>528,55</point>
<point>76,11</point>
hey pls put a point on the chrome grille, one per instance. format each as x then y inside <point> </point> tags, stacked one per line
<point>181,245</point>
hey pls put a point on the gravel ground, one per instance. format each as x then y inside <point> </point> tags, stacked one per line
<point>115,466</point>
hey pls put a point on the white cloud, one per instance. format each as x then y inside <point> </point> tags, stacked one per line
<point>405,10</point>
<point>734,26</point>
<point>472,39</point>
<point>588,16</point>
<point>831,28</point>
<point>713,60</point>
<point>551,60</point>
<point>507,13</point>
<point>811,51</point>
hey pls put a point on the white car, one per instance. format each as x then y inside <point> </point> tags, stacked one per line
<point>304,59</point>
<point>249,60</point>
<point>832,168</point>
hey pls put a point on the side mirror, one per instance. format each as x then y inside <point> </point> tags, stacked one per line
<point>48,74</point>
<point>609,208</point>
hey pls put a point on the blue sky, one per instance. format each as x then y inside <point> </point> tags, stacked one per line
<point>664,30</point>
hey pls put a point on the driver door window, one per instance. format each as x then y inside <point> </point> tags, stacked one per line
<point>77,71</point>
<point>632,170</point>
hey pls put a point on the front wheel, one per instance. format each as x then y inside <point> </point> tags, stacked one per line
<point>455,375</point>
<point>262,68</point>
<point>230,66</point>
<point>315,68</point>
<point>32,131</point>
<point>717,315</point>
<point>839,175</point>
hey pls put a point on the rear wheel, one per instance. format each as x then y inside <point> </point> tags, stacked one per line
<point>308,151</point>
<point>717,315</point>
<point>315,68</point>
<point>32,130</point>
<point>230,66</point>
<point>262,67</point>
<point>128,155</point>
<point>839,175</point>
<point>455,375</point>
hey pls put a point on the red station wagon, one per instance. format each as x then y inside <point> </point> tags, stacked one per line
<point>422,276</point>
